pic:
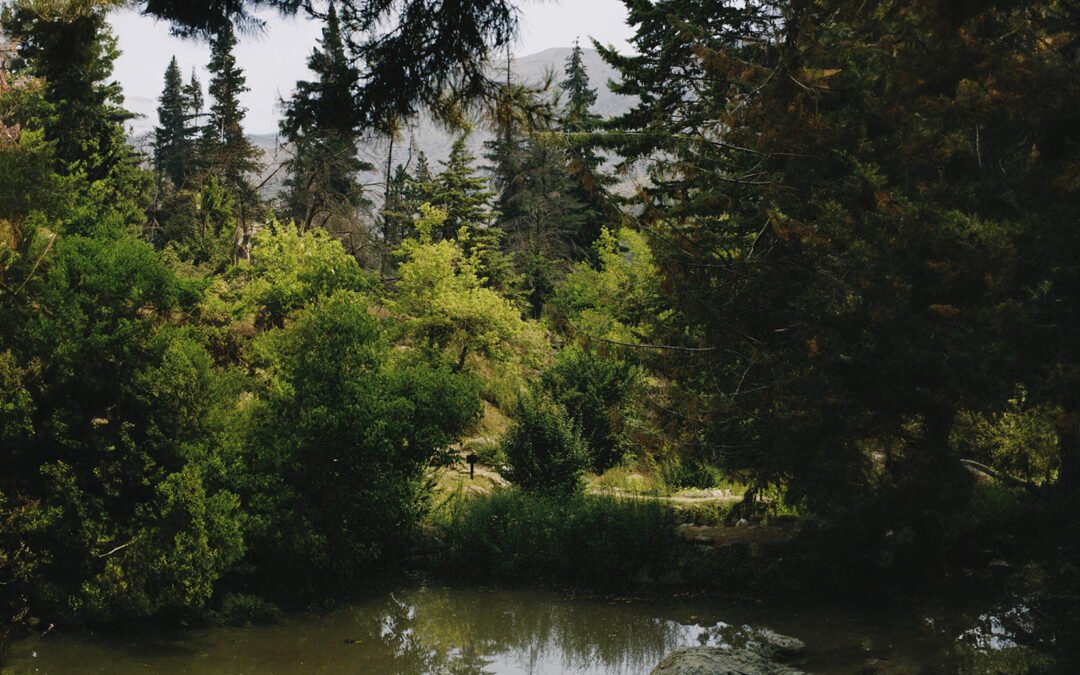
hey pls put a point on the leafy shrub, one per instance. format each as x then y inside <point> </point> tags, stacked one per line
<point>595,391</point>
<point>677,474</point>
<point>488,452</point>
<point>340,442</point>
<point>591,540</point>
<point>543,447</point>
<point>1021,440</point>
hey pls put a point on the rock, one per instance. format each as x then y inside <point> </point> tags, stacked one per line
<point>743,522</point>
<point>718,661</point>
<point>779,646</point>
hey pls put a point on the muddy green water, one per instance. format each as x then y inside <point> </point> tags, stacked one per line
<point>451,630</point>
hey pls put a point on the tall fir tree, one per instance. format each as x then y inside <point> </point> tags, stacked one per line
<point>71,49</point>
<point>589,183</point>
<point>463,193</point>
<point>194,103</point>
<point>321,123</point>
<point>843,221</point>
<point>580,96</point>
<point>224,149</point>
<point>173,143</point>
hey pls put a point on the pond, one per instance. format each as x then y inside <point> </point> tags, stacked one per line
<point>425,629</point>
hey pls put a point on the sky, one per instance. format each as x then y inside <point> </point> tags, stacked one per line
<point>275,60</point>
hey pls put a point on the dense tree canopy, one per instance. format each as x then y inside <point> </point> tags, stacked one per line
<point>834,268</point>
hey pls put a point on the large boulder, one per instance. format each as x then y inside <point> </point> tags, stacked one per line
<point>719,661</point>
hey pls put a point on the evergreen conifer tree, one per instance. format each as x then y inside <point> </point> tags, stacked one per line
<point>172,138</point>
<point>577,114</point>
<point>72,50</point>
<point>588,183</point>
<point>462,193</point>
<point>193,103</point>
<point>321,123</point>
<point>224,149</point>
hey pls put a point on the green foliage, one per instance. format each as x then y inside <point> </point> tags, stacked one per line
<point>583,540</point>
<point>320,123</point>
<point>444,305</point>
<point>29,184</point>
<point>73,53</point>
<point>619,299</point>
<point>1021,440</point>
<point>174,142</point>
<point>224,150</point>
<point>544,448</point>
<point>66,54</point>
<point>199,224</point>
<point>290,270</point>
<point>339,444</point>
<point>107,442</point>
<point>842,254</point>
<point>675,474</point>
<point>596,391</point>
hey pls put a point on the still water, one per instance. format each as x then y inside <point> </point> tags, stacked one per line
<point>452,630</point>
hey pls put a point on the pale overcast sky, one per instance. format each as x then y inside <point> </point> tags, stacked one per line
<point>274,61</point>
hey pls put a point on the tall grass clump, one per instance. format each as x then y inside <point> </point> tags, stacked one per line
<point>578,540</point>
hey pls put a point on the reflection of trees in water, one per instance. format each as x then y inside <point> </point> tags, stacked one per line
<point>462,632</point>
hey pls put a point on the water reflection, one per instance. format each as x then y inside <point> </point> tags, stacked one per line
<point>413,631</point>
<point>441,630</point>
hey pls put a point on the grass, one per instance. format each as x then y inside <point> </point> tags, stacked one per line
<point>629,479</point>
<point>579,540</point>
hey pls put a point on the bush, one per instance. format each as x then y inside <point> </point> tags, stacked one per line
<point>595,391</point>
<point>587,540</point>
<point>676,474</point>
<point>543,447</point>
<point>241,609</point>
<point>340,442</point>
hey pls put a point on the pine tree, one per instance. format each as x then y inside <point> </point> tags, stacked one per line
<point>589,183</point>
<point>321,123</point>
<point>225,150</point>
<point>421,185</point>
<point>577,114</point>
<point>465,197</point>
<point>545,218</point>
<point>72,50</point>
<point>463,193</point>
<point>193,103</point>
<point>173,146</point>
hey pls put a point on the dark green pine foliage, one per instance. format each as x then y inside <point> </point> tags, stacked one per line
<point>193,104</point>
<point>464,194</point>
<point>414,52</point>
<point>546,217</point>
<point>173,142</point>
<point>505,152</point>
<point>578,115</point>
<point>321,124</point>
<point>420,187</point>
<point>583,164</point>
<point>81,113</point>
<point>224,149</point>
<point>396,215</point>
<point>535,207</point>
<point>848,248</point>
